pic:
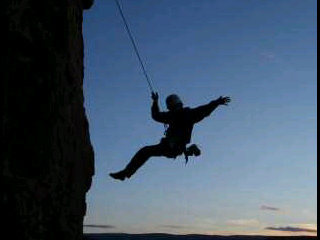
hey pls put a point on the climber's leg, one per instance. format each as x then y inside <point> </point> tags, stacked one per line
<point>138,160</point>
<point>193,150</point>
<point>142,156</point>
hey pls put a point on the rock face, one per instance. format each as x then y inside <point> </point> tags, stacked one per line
<point>47,161</point>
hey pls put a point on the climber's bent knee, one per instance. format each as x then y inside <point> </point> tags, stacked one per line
<point>193,150</point>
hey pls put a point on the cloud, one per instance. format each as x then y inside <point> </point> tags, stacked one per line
<point>173,226</point>
<point>307,225</point>
<point>98,226</point>
<point>243,222</point>
<point>264,207</point>
<point>268,55</point>
<point>291,229</point>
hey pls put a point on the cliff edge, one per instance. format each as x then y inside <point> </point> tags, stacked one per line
<point>48,162</point>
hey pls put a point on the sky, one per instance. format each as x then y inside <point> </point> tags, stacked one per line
<point>257,171</point>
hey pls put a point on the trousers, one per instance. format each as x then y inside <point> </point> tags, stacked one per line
<point>164,148</point>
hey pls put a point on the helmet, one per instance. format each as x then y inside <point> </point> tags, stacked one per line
<point>173,102</point>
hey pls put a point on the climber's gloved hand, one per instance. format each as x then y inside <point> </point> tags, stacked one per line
<point>155,96</point>
<point>223,100</point>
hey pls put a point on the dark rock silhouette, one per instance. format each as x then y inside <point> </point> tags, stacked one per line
<point>47,161</point>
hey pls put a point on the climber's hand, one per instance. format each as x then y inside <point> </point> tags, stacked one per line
<point>223,100</point>
<point>154,96</point>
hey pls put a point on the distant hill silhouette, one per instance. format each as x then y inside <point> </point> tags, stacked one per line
<point>163,236</point>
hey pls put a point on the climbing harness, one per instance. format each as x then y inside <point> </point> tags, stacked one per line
<point>136,50</point>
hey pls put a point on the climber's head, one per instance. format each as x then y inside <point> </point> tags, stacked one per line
<point>173,102</point>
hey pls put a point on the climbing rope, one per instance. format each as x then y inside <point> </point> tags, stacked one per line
<point>135,46</point>
<point>136,50</point>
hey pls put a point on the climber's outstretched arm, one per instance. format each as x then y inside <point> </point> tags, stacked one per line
<point>155,111</point>
<point>203,111</point>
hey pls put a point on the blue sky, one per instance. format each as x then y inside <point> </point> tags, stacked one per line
<point>259,151</point>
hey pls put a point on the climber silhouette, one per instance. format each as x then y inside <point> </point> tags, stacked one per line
<point>180,120</point>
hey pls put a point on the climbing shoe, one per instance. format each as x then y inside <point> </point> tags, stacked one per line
<point>193,150</point>
<point>118,175</point>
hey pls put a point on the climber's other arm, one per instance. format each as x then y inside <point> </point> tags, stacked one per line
<point>203,111</point>
<point>155,111</point>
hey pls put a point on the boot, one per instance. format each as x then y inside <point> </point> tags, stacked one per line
<point>193,150</point>
<point>121,175</point>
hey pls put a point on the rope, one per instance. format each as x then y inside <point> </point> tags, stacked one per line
<point>135,47</point>
<point>136,50</point>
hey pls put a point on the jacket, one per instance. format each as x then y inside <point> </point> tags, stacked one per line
<point>181,121</point>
